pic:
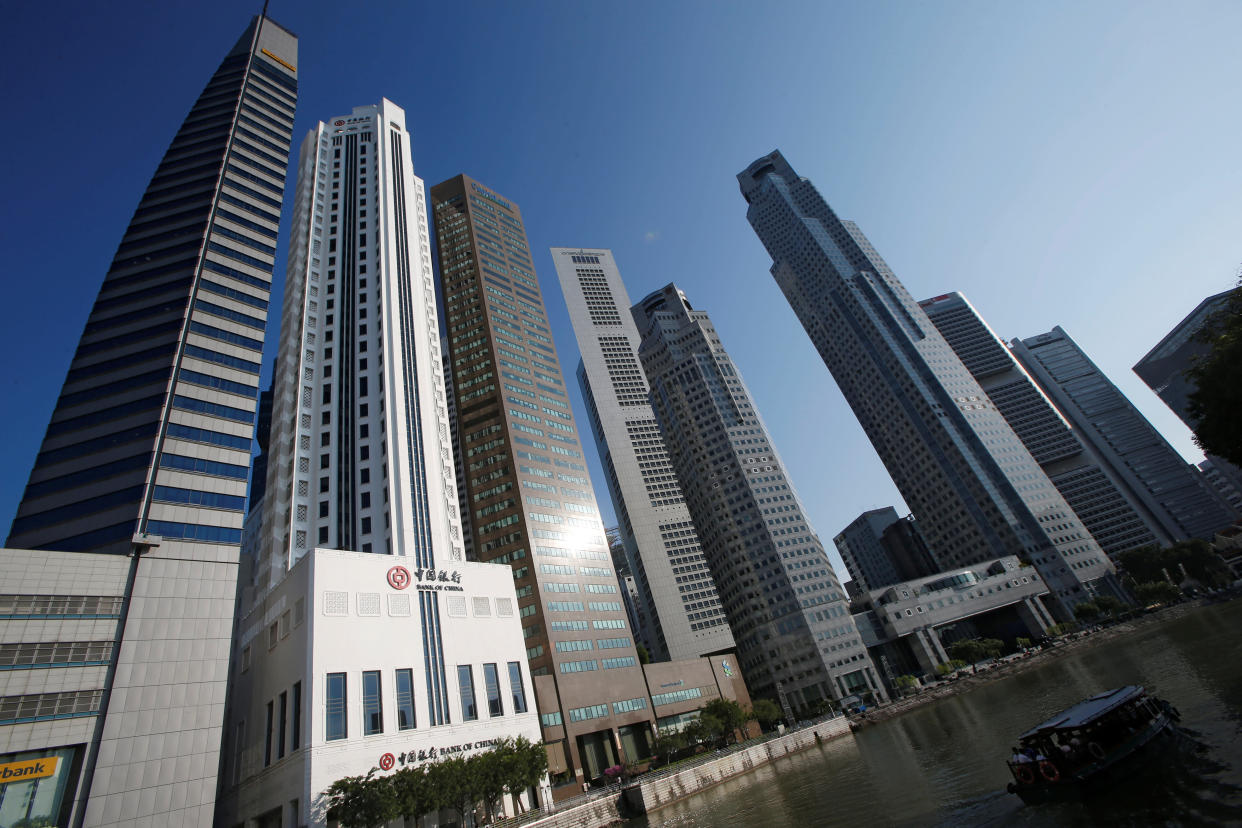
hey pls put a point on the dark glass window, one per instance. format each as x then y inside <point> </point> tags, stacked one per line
<point>491,682</point>
<point>335,706</point>
<point>405,699</point>
<point>295,741</point>
<point>267,739</point>
<point>280,733</point>
<point>518,688</point>
<point>465,685</point>
<point>372,703</point>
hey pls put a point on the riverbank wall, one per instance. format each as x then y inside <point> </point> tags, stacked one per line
<point>646,795</point>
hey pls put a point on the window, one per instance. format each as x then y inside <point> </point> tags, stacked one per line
<point>405,699</point>
<point>267,738</point>
<point>336,707</point>
<point>491,682</point>
<point>516,686</point>
<point>465,685</point>
<point>280,731</point>
<point>372,704</point>
<point>296,741</point>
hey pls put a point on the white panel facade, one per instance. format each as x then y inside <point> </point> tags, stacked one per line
<point>670,571</point>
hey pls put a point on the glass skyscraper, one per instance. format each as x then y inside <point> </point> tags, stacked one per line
<point>976,491</point>
<point>147,456</point>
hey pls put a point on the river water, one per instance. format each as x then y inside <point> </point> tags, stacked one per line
<point>944,764</point>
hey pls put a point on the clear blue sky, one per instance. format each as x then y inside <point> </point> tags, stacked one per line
<point>1059,163</point>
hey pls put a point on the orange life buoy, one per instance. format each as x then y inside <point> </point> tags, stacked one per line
<point>1049,771</point>
<point>1024,774</point>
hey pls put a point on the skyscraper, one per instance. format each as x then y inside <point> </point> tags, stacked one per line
<point>526,485</point>
<point>148,452</point>
<point>975,489</point>
<point>1175,494</point>
<point>879,548</point>
<point>1164,368</point>
<point>359,409</point>
<point>1115,516</point>
<point>656,527</point>
<point>788,612</point>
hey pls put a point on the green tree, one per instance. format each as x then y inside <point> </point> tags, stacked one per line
<point>1109,604</point>
<point>362,801</point>
<point>1023,643</point>
<point>968,650</point>
<point>1149,564</point>
<point>1217,376</point>
<point>413,793</point>
<point>1157,592</point>
<point>1086,611</point>
<point>455,783</point>
<point>766,712</point>
<point>667,744</point>
<point>644,657</point>
<point>730,714</point>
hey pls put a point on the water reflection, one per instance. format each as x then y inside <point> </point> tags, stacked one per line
<point>944,764</point>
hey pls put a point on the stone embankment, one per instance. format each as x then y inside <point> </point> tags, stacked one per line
<point>655,790</point>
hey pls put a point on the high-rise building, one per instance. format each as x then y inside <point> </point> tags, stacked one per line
<point>975,489</point>
<point>1115,516</point>
<point>364,632</point>
<point>672,575</point>
<point>879,548</point>
<point>1164,368</point>
<point>786,608</point>
<point>526,486</point>
<point>1173,491</point>
<point>137,495</point>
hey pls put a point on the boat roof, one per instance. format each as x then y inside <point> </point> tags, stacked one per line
<point>1087,710</point>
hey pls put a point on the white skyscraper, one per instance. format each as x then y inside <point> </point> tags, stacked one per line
<point>361,456</point>
<point>670,571</point>
<point>364,637</point>
<point>976,491</point>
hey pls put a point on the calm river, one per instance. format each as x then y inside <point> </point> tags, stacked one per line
<point>944,764</point>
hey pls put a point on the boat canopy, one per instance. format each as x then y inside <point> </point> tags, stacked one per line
<point>1087,711</point>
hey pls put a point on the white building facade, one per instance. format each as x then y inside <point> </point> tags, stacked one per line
<point>333,680</point>
<point>665,556</point>
<point>363,631</point>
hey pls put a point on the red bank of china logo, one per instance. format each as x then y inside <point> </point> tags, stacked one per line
<point>387,761</point>
<point>338,123</point>
<point>398,578</point>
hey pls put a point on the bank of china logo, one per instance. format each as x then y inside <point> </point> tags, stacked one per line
<point>398,577</point>
<point>728,670</point>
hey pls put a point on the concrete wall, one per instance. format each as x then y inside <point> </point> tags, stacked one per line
<point>648,796</point>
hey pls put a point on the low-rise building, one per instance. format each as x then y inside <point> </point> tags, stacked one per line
<point>909,625</point>
<point>330,679</point>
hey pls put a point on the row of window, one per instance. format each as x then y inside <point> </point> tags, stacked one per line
<point>54,654</point>
<point>79,606</point>
<point>336,697</point>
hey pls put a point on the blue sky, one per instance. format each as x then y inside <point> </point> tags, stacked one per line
<point>1069,164</point>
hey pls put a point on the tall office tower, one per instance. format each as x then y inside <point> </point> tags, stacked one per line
<point>365,611</point>
<point>1164,368</point>
<point>671,573</point>
<point>530,499</point>
<point>148,451</point>
<point>790,616</point>
<point>1114,515</point>
<point>974,488</point>
<point>880,549</point>
<point>1175,494</point>
<point>360,453</point>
